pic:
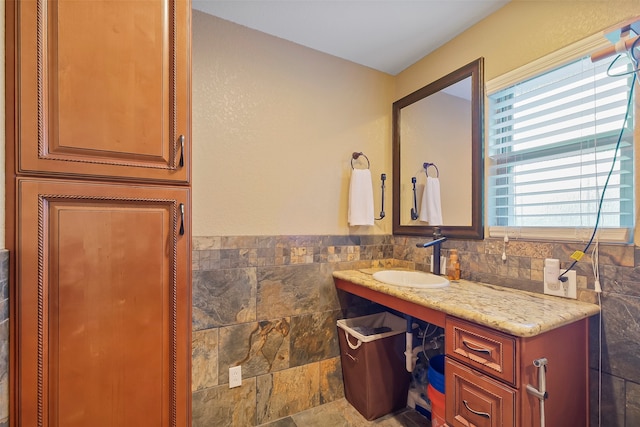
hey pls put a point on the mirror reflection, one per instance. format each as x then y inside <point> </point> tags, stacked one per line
<point>436,131</point>
<point>437,138</point>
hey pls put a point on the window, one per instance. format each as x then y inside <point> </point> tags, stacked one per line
<point>554,141</point>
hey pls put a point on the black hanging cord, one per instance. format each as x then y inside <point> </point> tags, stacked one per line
<point>635,61</point>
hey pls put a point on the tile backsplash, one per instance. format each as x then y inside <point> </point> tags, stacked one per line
<point>269,303</point>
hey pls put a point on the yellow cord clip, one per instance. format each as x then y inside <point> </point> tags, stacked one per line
<point>577,255</point>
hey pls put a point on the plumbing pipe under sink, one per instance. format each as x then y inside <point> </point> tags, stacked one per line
<point>411,353</point>
<point>408,348</point>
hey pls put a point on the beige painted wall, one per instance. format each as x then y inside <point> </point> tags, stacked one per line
<point>275,123</point>
<point>518,33</point>
<point>274,126</point>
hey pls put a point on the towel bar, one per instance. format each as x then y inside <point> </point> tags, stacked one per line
<point>414,209</point>
<point>383,177</point>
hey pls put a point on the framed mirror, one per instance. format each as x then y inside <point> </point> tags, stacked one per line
<point>438,144</point>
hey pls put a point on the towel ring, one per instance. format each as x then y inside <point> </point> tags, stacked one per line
<point>426,168</point>
<point>356,155</point>
<point>383,178</point>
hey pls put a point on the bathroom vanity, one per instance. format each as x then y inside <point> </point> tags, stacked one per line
<point>502,345</point>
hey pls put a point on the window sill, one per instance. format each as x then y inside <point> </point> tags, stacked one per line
<point>604,235</point>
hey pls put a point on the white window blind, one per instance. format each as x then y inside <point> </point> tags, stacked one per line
<point>552,141</point>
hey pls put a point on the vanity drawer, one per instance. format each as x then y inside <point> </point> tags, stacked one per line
<point>473,399</point>
<point>487,350</point>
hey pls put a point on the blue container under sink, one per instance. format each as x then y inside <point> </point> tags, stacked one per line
<point>435,373</point>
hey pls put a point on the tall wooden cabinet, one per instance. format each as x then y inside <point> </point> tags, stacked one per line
<point>104,88</point>
<point>103,310</point>
<point>98,211</point>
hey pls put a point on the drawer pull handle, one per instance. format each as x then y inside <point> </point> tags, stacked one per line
<point>476,349</point>
<point>482,414</point>
<point>181,161</point>
<point>181,219</point>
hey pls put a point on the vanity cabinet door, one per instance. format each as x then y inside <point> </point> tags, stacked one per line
<point>473,399</point>
<point>103,305</point>
<point>103,89</point>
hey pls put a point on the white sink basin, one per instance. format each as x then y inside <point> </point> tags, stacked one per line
<point>411,279</point>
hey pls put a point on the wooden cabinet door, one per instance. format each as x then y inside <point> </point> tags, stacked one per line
<point>485,349</point>
<point>103,305</point>
<point>566,376</point>
<point>104,88</point>
<point>473,399</point>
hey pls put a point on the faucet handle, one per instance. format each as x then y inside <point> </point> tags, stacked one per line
<point>437,233</point>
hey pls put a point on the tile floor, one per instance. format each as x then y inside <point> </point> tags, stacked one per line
<point>340,413</point>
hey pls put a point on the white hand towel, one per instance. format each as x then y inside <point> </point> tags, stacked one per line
<point>430,206</point>
<point>360,198</point>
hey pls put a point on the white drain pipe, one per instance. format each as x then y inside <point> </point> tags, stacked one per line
<point>408,346</point>
<point>408,351</point>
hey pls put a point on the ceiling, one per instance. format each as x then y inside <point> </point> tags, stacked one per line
<point>386,35</point>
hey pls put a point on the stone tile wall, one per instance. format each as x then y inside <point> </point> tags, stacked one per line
<point>269,304</point>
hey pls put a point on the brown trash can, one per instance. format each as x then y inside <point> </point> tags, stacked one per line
<point>376,381</point>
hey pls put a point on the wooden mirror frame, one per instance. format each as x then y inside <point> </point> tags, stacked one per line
<point>474,70</point>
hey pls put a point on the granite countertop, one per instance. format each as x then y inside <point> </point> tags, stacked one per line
<point>519,313</point>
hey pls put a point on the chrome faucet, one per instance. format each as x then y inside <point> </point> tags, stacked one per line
<point>438,238</point>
